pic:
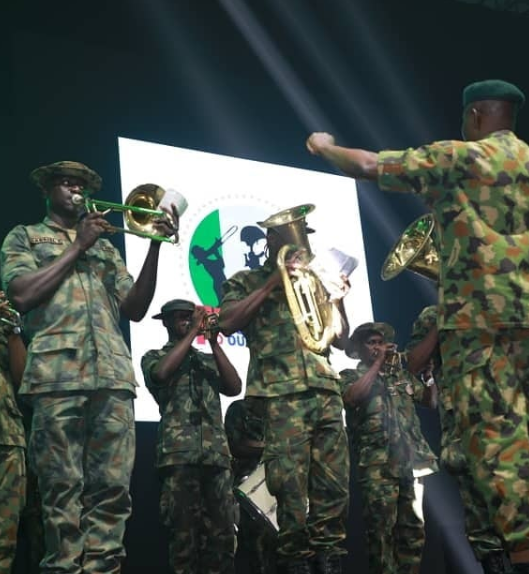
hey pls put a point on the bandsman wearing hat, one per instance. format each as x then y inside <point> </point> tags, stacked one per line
<point>389,451</point>
<point>478,192</point>
<point>193,457</point>
<point>305,454</point>
<point>71,286</point>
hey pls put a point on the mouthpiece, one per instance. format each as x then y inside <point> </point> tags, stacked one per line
<point>77,199</point>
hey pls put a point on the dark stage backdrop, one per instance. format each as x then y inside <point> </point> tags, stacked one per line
<point>251,79</point>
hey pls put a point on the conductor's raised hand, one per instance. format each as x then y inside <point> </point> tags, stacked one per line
<point>319,140</point>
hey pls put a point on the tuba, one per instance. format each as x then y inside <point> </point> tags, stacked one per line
<point>140,210</point>
<point>414,250</point>
<point>307,298</point>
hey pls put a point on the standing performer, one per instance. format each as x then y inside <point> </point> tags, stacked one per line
<point>388,447</point>
<point>12,439</point>
<point>478,192</point>
<point>305,452</point>
<point>71,286</point>
<point>193,457</point>
<point>423,354</point>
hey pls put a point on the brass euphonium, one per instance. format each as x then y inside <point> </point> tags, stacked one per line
<point>414,250</point>
<point>307,298</point>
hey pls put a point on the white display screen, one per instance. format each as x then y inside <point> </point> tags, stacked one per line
<point>219,236</point>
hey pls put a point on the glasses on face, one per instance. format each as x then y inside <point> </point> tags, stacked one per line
<point>70,182</point>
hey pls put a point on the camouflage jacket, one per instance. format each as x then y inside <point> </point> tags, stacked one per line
<point>385,428</point>
<point>190,429</point>
<point>11,426</point>
<point>479,194</point>
<point>75,339</point>
<point>280,364</point>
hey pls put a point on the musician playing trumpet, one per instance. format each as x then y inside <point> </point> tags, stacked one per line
<point>193,458</point>
<point>71,285</point>
<point>390,454</point>
<point>305,453</point>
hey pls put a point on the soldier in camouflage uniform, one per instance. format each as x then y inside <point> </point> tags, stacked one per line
<point>422,349</point>
<point>478,192</point>
<point>244,426</point>
<point>306,455</point>
<point>12,438</point>
<point>388,448</point>
<point>193,457</point>
<point>71,285</point>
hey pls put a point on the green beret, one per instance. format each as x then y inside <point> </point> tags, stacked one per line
<point>175,305</point>
<point>42,174</point>
<point>362,332</point>
<point>493,90</point>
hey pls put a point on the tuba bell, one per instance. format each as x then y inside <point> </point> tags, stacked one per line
<point>414,250</point>
<point>307,298</point>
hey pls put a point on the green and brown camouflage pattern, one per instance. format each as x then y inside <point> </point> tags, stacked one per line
<point>12,500</point>
<point>82,448</point>
<point>280,363</point>
<point>307,469</point>
<point>75,339</point>
<point>198,507</point>
<point>479,194</point>
<point>479,529</point>
<point>191,429</point>
<point>488,386</point>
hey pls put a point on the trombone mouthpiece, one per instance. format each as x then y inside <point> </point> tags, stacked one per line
<point>77,199</point>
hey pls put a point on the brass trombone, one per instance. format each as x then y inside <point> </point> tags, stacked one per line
<point>140,211</point>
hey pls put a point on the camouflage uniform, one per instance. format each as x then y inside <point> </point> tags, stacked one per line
<point>306,455</point>
<point>478,193</point>
<point>389,450</point>
<point>255,540</point>
<point>479,530</point>
<point>12,460</point>
<point>80,382</point>
<point>193,459</point>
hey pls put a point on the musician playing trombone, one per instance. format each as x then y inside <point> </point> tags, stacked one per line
<point>193,458</point>
<point>305,454</point>
<point>71,286</point>
<point>390,453</point>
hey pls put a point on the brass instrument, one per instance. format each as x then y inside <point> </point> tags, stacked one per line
<point>140,211</point>
<point>209,326</point>
<point>307,298</point>
<point>414,250</point>
<point>8,314</point>
<point>393,362</point>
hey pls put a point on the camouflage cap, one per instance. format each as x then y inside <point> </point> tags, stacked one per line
<point>42,174</point>
<point>175,305</point>
<point>493,90</point>
<point>362,332</point>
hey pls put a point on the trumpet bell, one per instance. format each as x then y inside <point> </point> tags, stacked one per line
<point>146,196</point>
<point>415,251</point>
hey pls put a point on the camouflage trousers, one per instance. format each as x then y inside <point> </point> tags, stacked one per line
<point>394,530</point>
<point>488,384</point>
<point>12,500</point>
<point>479,529</point>
<point>198,507</point>
<point>307,469</point>
<point>81,448</point>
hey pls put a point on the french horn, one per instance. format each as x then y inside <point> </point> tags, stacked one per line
<point>414,250</point>
<point>306,295</point>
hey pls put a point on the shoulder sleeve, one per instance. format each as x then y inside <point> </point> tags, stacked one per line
<point>235,288</point>
<point>148,362</point>
<point>422,325</point>
<point>16,257</point>
<point>421,170</point>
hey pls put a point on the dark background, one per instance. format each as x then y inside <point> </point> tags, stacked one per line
<point>252,79</point>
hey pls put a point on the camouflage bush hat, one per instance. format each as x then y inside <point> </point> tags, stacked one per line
<point>493,90</point>
<point>363,331</point>
<point>175,305</point>
<point>42,174</point>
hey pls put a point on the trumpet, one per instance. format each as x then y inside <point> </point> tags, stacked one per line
<point>209,326</point>
<point>9,315</point>
<point>141,209</point>
<point>393,362</point>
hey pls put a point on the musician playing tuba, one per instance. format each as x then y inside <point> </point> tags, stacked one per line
<point>72,286</point>
<point>306,454</point>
